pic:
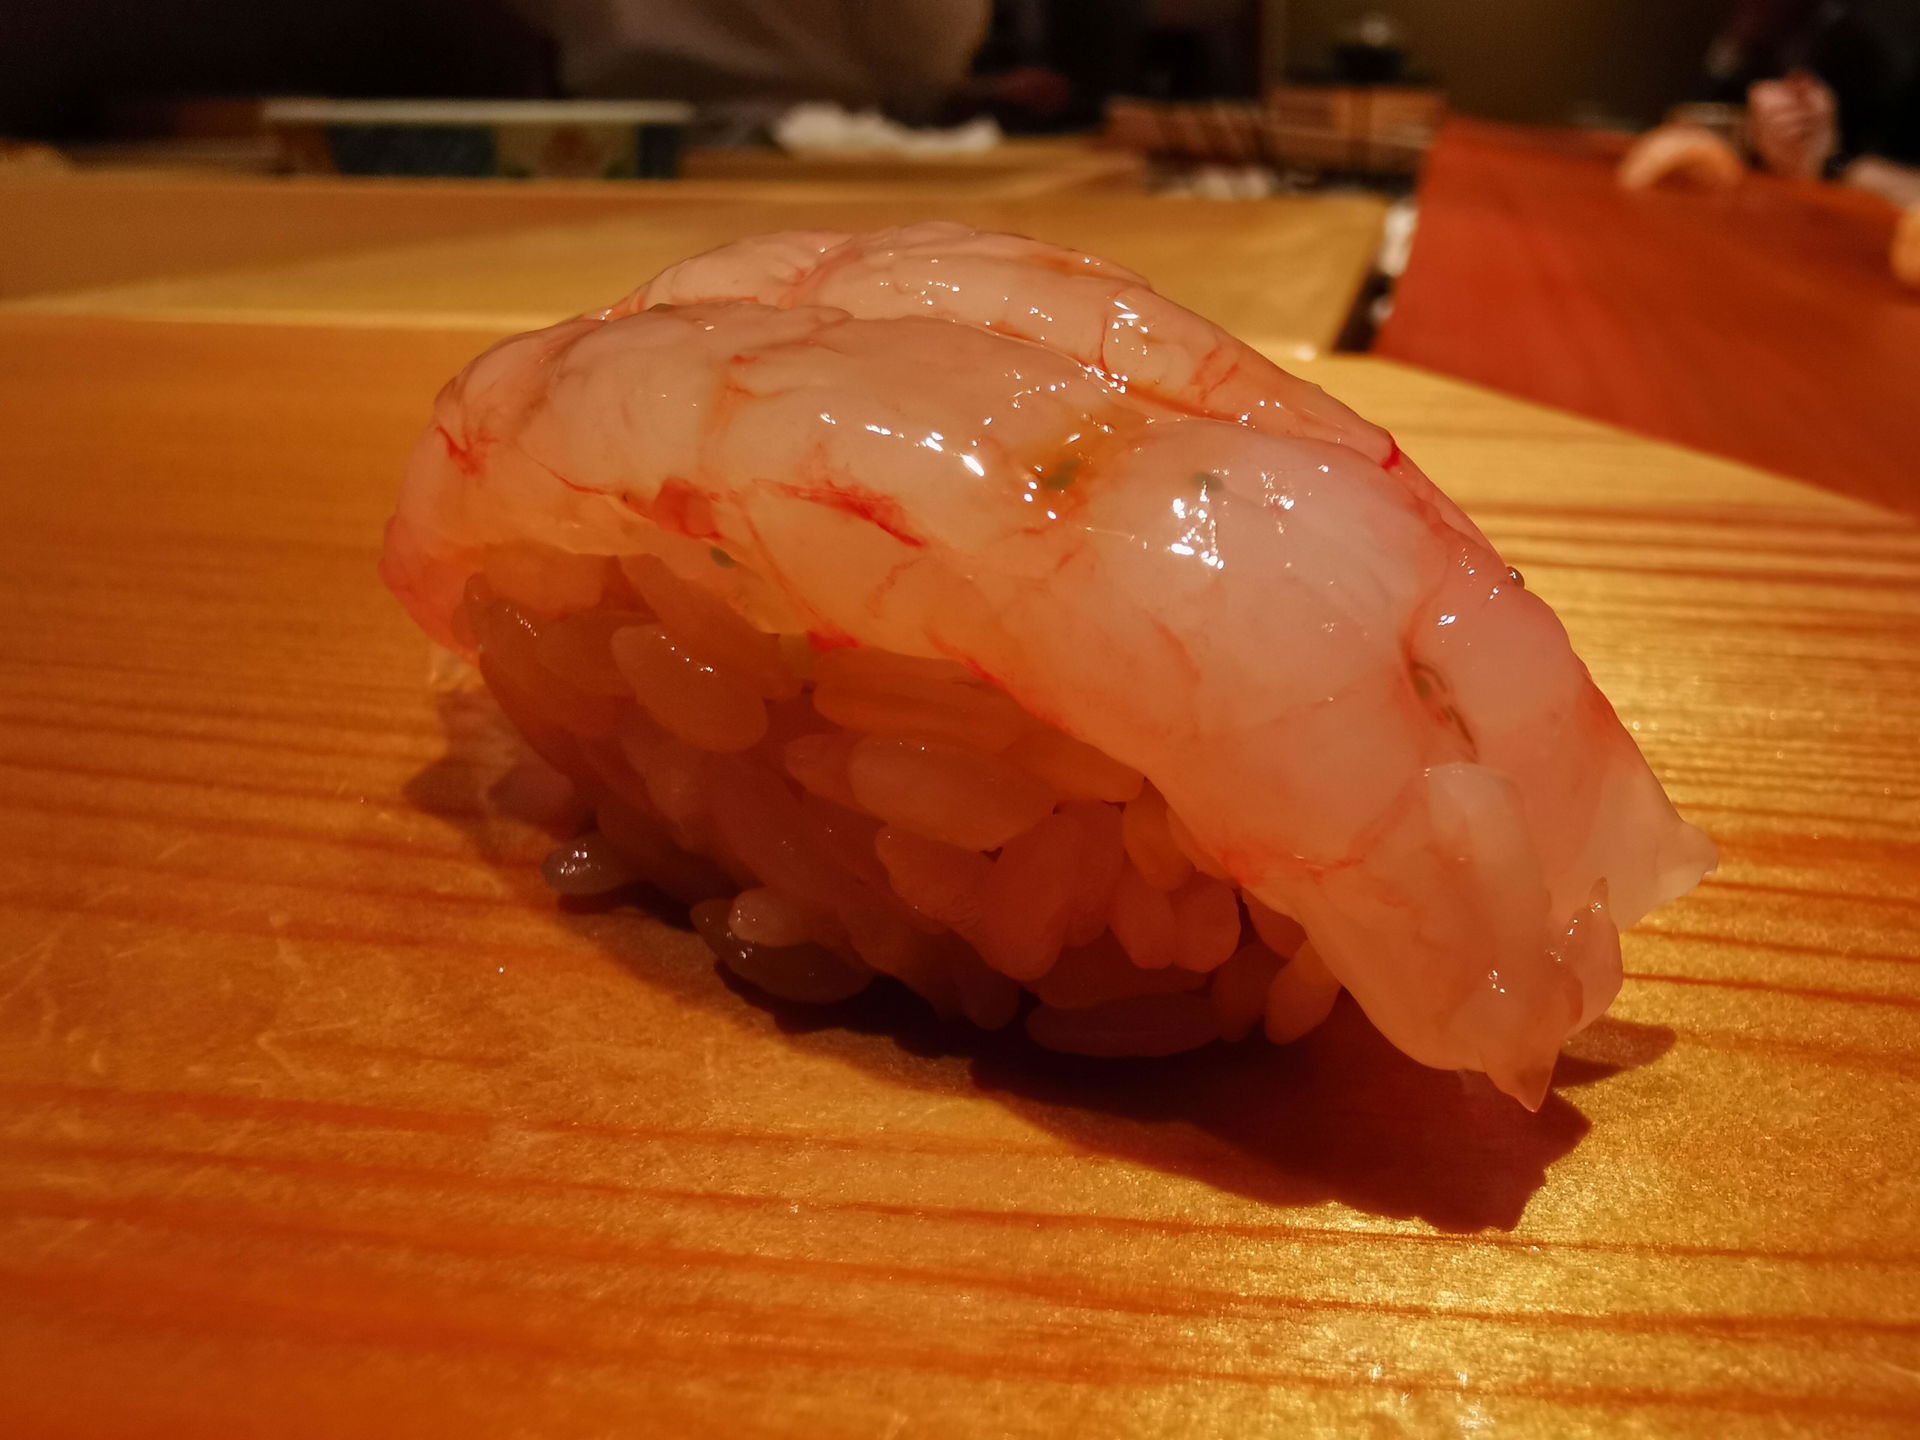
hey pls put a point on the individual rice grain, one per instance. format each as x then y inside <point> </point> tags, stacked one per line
<point>954,793</point>
<point>707,707</point>
<point>883,939</point>
<point>555,745</point>
<point>1238,989</point>
<point>848,836</point>
<point>674,772</point>
<point>788,720</point>
<point>799,656</point>
<point>865,666</point>
<point>819,762</point>
<point>588,865</point>
<point>760,821</point>
<point>1207,914</point>
<point>1087,975</point>
<point>1282,933</point>
<point>475,596</point>
<point>1143,921</point>
<point>941,881</point>
<point>1143,1025</point>
<point>703,626</point>
<point>808,974</point>
<point>1073,770</point>
<point>609,772</point>
<point>533,791</point>
<point>1149,842</point>
<point>547,582</point>
<point>878,693</point>
<point>508,639</point>
<point>649,846</point>
<point>1300,997</point>
<point>987,998</point>
<point>765,916</point>
<point>1027,899</point>
<point>1103,856</point>
<point>1196,854</point>
<point>577,649</point>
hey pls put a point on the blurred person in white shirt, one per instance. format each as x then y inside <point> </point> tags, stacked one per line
<point>908,57</point>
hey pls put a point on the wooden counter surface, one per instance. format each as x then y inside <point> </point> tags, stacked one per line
<point>65,230</point>
<point>1764,325</point>
<point>1282,272</point>
<point>318,1118</point>
<point>1014,168</point>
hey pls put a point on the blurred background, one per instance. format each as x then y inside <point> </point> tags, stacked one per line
<point>1613,206</point>
<point>95,68</point>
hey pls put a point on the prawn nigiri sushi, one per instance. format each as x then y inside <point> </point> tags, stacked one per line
<point>950,606</point>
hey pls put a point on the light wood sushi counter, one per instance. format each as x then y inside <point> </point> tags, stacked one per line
<point>1283,271</point>
<point>65,229</point>
<point>318,1118</point>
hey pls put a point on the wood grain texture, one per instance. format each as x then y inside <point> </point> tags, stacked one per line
<point>1282,272</point>
<point>318,1118</point>
<point>1764,325</point>
<point>65,230</point>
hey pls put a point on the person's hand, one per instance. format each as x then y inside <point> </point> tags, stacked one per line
<point>1906,248</point>
<point>1034,90</point>
<point>1793,125</point>
<point>1681,156</point>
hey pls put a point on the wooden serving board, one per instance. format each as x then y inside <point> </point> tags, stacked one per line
<point>318,1118</point>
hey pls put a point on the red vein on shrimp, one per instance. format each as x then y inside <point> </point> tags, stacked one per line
<point>882,511</point>
<point>684,510</point>
<point>463,456</point>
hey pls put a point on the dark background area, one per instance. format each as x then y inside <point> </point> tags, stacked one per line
<point>67,67</point>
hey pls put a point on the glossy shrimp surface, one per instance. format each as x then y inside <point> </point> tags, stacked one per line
<point>979,449</point>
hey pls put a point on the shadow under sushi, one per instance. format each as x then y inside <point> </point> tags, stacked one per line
<point>1339,1115</point>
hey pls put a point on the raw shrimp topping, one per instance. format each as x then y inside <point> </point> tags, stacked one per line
<point>952,607</point>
